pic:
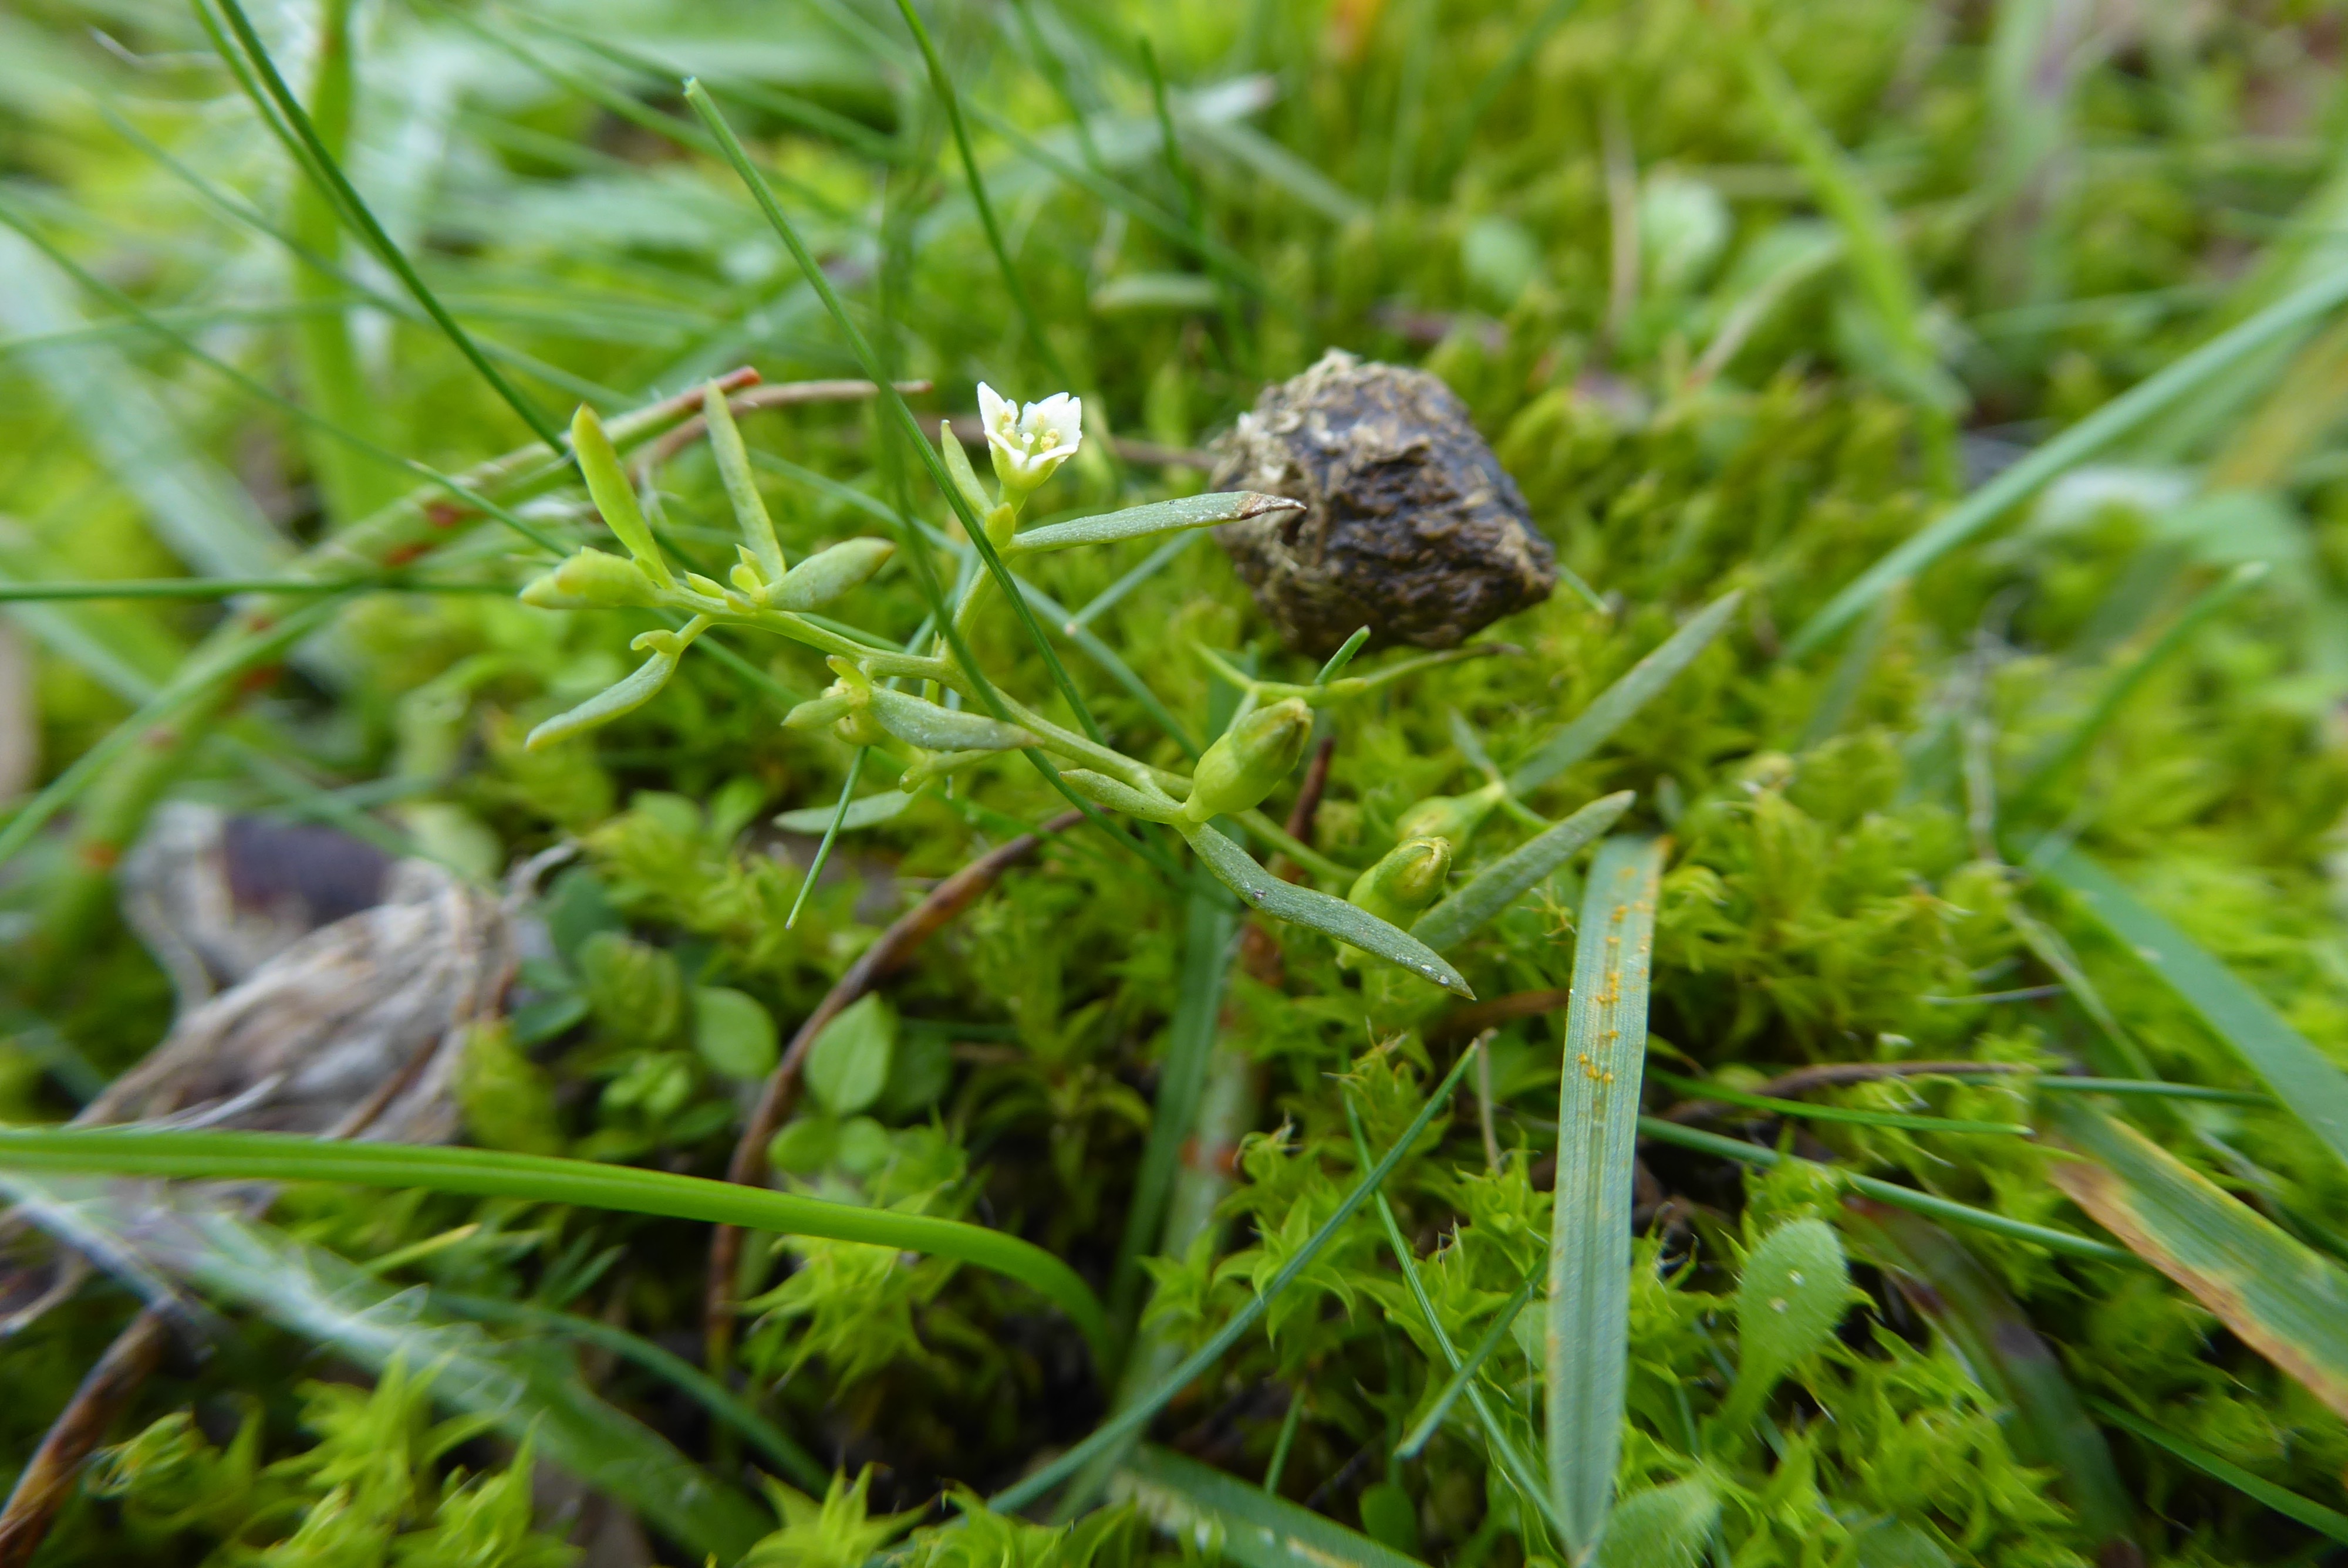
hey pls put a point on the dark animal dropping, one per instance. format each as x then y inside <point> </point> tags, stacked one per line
<point>1410,525</point>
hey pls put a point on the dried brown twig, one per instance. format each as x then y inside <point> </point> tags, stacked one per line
<point>897,945</point>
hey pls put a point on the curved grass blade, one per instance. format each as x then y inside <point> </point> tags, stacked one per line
<point>2326,1521</point>
<point>2082,441</point>
<point>2284,1301</point>
<point>704,1390</point>
<point>2303,1079</point>
<point>1343,657</point>
<point>1254,1528</point>
<point>1131,1419</point>
<point>1347,922</point>
<point>2122,685</point>
<point>1695,1088</point>
<point>1500,884</point>
<point>482,1173</point>
<point>1594,724</point>
<point>321,166</point>
<point>1511,1458</point>
<point>1588,1333</point>
<point>1158,517</point>
<point>1949,1286</point>
<point>1463,1377</point>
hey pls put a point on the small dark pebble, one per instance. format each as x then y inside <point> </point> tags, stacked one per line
<point>1410,525</point>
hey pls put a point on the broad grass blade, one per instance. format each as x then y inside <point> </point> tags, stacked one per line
<point>1258,1530</point>
<point>2301,1077</point>
<point>2278,1296</point>
<point>1499,884</point>
<point>1588,1342</point>
<point>1592,728</point>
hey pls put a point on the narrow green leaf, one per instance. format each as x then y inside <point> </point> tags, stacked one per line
<point>1343,657</point>
<point>2279,1298</point>
<point>1696,1088</point>
<point>2303,1079</point>
<point>621,697</point>
<point>741,484</point>
<point>2149,1088</point>
<point>1188,1500</point>
<point>615,498</point>
<point>1588,1331</point>
<point>1500,884</point>
<point>1332,917</point>
<point>1132,1418</point>
<point>226,587</point>
<point>482,1173</point>
<point>1928,1204</point>
<point>2082,441</point>
<point>2326,1521</point>
<point>1158,517</point>
<point>1595,724</point>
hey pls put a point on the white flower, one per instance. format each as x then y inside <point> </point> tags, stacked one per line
<point>1030,443</point>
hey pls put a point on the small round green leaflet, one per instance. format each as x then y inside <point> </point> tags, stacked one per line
<point>735,1035</point>
<point>848,1066</point>
<point>482,1173</point>
<point>1796,1288</point>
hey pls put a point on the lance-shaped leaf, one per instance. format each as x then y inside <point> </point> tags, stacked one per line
<point>623,697</point>
<point>1594,724</point>
<point>741,486</point>
<point>825,575</point>
<point>1332,917</point>
<point>940,729</point>
<point>1588,1329</point>
<point>1257,1529</point>
<point>1158,517</point>
<point>608,487</point>
<point>1499,884</point>
<point>2302,1078</point>
<point>2279,1297</point>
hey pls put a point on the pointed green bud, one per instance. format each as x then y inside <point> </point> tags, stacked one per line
<point>1451,817</point>
<point>825,575</point>
<point>837,702</point>
<point>591,579</point>
<point>607,485</point>
<point>1249,760</point>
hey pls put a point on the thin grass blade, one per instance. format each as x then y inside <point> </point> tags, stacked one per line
<point>1696,1088</point>
<point>2279,1297</point>
<point>1464,1376</point>
<point>2329,1522</point>
<point>1595,724</point>
<point>1588,1333</point>
<point>2302,1078</point>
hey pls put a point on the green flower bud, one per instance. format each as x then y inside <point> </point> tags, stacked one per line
<point>837,702</point>
<point>1408,880</point>
<point>591,579</point>
<point>634,989</point>
<point>825,575</point>
<point>1452,817</point>
<point>1249,760</point>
